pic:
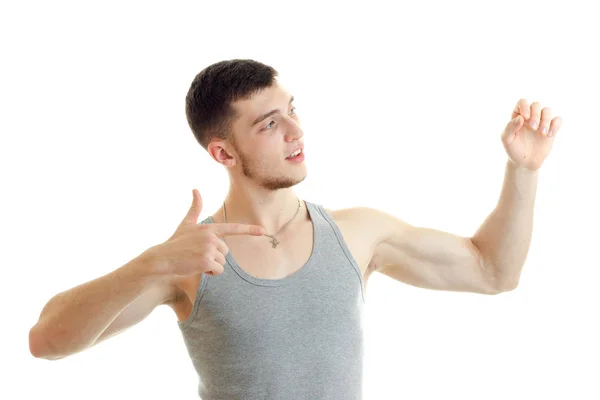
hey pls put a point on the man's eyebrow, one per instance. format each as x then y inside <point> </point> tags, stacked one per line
<point>267,115</point>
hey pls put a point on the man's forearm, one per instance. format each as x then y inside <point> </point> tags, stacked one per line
<point>72,320</point>
<point>504,237</point>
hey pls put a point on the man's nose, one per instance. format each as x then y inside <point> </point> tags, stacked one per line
<point>294,131</point>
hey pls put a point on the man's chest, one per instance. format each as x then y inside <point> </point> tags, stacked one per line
<point>261,260</point>
<point>293,252</point>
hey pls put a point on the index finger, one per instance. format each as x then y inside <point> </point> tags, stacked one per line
<point>232,228</point>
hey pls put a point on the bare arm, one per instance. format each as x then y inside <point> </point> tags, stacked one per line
<point>427,258</point>
<point>76,319</point>
<point>504,237</point>
<point>489,262</point>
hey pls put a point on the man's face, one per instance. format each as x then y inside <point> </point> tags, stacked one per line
<point>266,133</point>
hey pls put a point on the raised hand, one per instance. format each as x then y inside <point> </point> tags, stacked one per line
<point>529,136</point>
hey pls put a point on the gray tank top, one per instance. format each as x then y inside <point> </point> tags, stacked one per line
<point>299,337</point>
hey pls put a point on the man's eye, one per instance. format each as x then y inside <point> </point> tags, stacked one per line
<point>292,111</point>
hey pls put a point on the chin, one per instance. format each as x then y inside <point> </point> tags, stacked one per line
<point>283,182</point>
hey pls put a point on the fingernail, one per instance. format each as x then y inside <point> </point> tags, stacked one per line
<point>550,134</point>
<point>544,130</point>
<point>533,124</point>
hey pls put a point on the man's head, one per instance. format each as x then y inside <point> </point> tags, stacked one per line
<point>240,113</point>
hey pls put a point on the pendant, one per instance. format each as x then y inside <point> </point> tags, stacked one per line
<point>274,242</point>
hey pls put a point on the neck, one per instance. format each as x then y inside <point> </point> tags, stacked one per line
<point>256,206</point>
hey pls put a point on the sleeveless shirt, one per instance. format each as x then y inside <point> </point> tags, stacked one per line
<point>299,337</point>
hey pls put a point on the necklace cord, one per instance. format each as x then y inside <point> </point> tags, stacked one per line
<point>273,237</point>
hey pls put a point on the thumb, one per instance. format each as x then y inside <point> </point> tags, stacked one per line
<point>510,132</point>
<point>194,212</point>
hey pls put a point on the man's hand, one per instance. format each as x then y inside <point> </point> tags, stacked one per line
<point>195,248</point>
<point>529,136</point>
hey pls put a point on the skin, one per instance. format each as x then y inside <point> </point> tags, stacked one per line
<point>489,262</point>
<point>261,180</point>
<point>261,199</point>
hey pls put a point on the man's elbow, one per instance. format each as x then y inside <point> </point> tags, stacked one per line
<point>36,345</point>
<point>494,286</point>
<point>39,346</point>
<point>508,287</point>
<point>505,285</point>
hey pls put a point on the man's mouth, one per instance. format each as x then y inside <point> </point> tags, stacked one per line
<point>294,154</point>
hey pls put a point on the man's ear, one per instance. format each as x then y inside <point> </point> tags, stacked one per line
<point>222,152</point>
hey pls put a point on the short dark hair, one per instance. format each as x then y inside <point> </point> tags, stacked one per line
<point>208,106</point>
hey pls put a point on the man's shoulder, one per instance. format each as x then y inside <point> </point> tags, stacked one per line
<point>367,221</point>
<point>353,219</point>
<point>357,214</point>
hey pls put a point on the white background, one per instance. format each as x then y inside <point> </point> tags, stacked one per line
<point>402,108</point>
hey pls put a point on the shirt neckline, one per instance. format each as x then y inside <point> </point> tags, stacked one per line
<point>285,280</point>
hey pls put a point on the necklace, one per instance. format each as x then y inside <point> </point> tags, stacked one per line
<point>274,241</point>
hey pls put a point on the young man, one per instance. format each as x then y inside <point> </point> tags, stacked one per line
<point>269,290</point>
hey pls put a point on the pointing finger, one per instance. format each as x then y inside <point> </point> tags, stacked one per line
<point>227,229</point>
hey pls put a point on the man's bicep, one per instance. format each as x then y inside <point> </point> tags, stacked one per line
<point>437,271</point>
<point>406,269</point>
